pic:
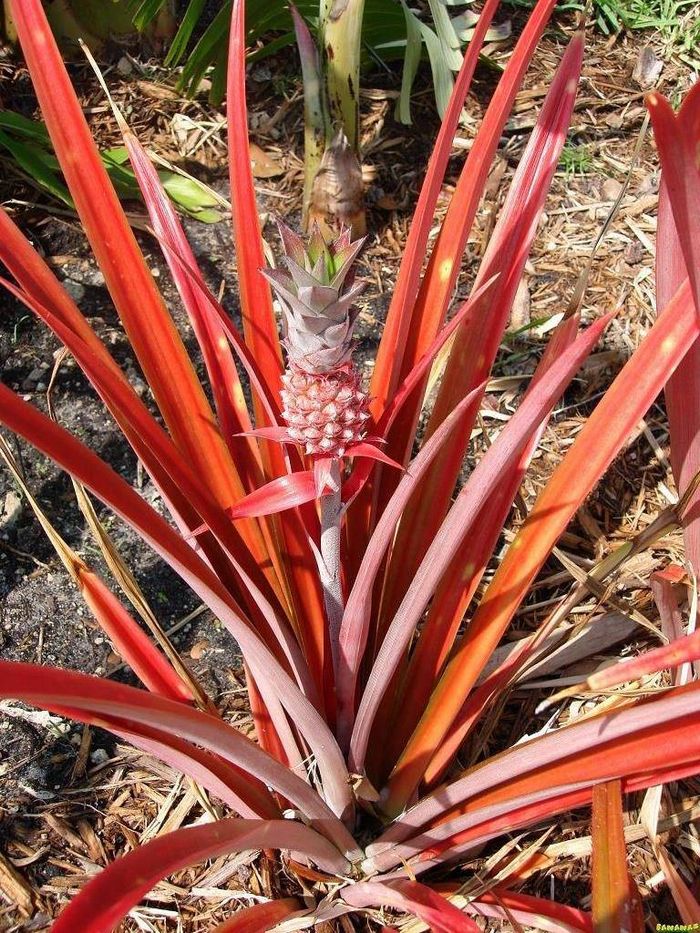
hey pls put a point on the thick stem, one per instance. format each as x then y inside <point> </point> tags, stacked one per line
<point>329,566</point>
<point>338,192</point>
<point>341,36</point>
<point>316,131</point>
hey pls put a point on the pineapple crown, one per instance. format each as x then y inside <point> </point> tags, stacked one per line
<point>317,295</point>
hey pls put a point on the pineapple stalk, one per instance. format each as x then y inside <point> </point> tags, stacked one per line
<point>331,508</point>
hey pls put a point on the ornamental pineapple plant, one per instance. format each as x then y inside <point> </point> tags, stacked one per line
<point>352,587</point>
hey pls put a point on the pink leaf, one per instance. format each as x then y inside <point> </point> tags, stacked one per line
<point>282,493</point>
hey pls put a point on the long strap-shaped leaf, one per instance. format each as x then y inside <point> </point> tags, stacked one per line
<point>237,787</point>
<point>355,625</point>
<point>129,639</point>
<point>675,138</point>
<point>125,706</point>
<point>223,376</point>
<point>110,488</point>
<point>476,342</point>
<point>412,897</point>
<point>616,744</point>
<point>615,897</point>
<point>386,374</point>
<point>396,331</point>
<point>260,329</point>
<point>159,452</point>
<point>464,574</point>
<point>43,291</point>
<point>305,596</point>
<point>150,329</point>
<point>597,444</point>
<point>438,283</point>
<point>536,912</point>
<point>439,280</point>
<point>259,323</point>
<point>505,451</point>
<point>107,898</point>
<point>494,820</point>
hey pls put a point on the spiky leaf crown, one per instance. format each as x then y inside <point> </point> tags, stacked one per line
<point>317,295</point>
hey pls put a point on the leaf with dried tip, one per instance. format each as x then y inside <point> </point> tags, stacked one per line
<point>688,907</point>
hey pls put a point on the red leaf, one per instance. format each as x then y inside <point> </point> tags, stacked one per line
<point>643,743</point>
<point>476,342</point>
<point>285,492</point>
<point>372,453</point>
<point>150,329</point>
<point>355,625</point>
<point>121,498</point>
<point>397,329</point>
<point>108,897</point>
<point>612,910</point>
<point>259,323</point>
<point>597,444</point>
<point>682,391</point>
<point>506,450</point>
<point>412,898</point>
<point>124,709</point>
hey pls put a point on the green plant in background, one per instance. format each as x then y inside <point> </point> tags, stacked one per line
<point>575,159</point>
<point>29,147</point>
<point>675,22</point>
<point>336,39</point>
<point>95,21</point>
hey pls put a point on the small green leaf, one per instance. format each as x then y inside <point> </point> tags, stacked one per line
<point>414,50</point>
<point>39,165</point>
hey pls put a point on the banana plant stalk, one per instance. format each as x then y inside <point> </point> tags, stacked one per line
<point>333,191</point>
